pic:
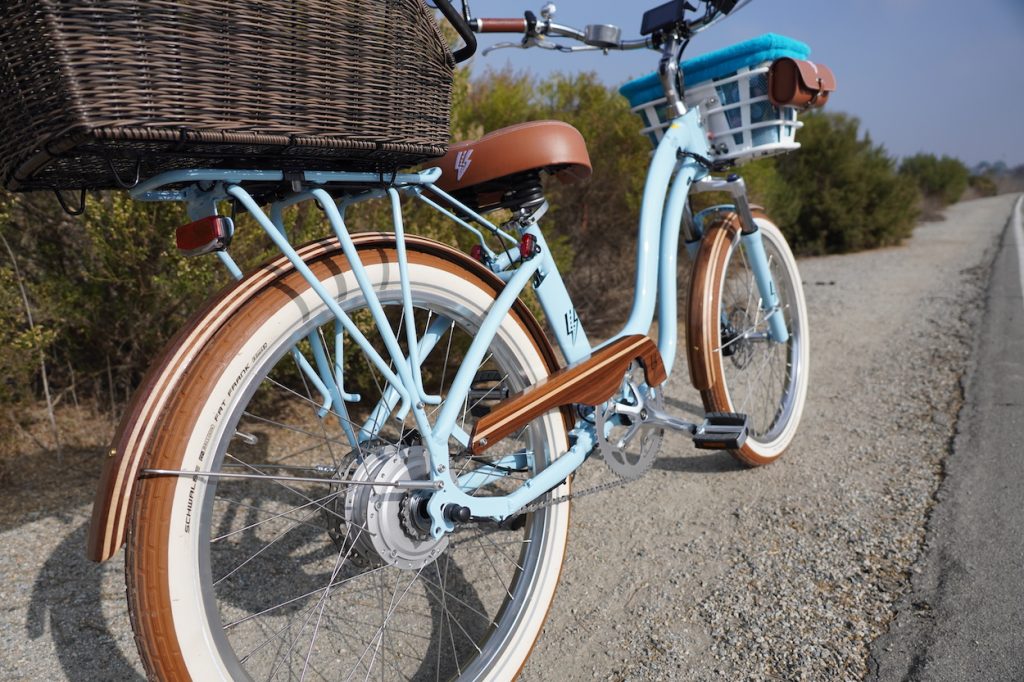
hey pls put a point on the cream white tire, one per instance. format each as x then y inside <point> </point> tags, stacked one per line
<point>176,610</point>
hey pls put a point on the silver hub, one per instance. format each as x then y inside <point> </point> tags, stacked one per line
<point>743,349</point>
<point>380,523</point>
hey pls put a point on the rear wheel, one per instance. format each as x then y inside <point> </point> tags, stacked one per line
<point>734,362</point>
<point>265,579</point>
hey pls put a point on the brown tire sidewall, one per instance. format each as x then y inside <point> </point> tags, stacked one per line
<point>704,330</point>
<point>147,564</point>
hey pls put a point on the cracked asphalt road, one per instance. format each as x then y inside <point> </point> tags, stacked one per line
<point>963,618</point>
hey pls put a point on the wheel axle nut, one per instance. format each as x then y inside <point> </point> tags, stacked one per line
<point>456,513</point>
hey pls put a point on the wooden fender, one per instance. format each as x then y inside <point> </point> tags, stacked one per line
<point>144,415</point>
<point>704,298</point>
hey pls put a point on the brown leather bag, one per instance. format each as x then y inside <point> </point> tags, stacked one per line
<point>799,83</point>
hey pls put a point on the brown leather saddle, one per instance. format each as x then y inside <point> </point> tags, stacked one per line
<point>503,167</point>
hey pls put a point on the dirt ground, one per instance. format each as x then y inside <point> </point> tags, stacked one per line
<point>701,570</point>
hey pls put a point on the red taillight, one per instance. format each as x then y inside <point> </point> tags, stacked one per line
<point>528,246</point>
<point>212,233</point>
<point>477,253</point>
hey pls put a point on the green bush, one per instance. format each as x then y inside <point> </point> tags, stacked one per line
<point>766,188</point>
<point>109,288</point>
<point>847,193</point>
<point>591,227</point>
<point>943,180</point>
<point>984,185</point>
<point>20,344</point>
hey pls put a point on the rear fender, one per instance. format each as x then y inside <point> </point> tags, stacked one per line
<point>141,421</point>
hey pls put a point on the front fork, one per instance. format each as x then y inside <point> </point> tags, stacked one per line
<point>753,245</point>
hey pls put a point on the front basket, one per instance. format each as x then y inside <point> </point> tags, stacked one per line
<point>94,93</point>
<point>730,86</point>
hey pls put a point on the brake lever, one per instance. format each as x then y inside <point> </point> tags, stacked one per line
<point>500,46</point>
<point>578,48</point>
<point>541,42</point>
<point>549,45</point>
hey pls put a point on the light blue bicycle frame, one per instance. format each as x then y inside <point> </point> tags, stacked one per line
<point>672,174</point>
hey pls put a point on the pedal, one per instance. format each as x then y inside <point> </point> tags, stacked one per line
<point>722,431</point>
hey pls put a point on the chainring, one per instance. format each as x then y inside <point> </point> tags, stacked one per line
<point>627,446</point>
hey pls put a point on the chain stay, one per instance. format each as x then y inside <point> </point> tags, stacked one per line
<point>543,504</point>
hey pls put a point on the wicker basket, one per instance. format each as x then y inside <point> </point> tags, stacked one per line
<point>96,92</point>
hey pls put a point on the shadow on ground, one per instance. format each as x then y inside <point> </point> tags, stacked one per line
<point>711,463</point>
<point>68,596</point>
<point>68,593</point>
<point>40,483</point>
<point>702,461</point>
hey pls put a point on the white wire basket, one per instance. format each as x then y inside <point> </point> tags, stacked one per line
<point>742,123</point>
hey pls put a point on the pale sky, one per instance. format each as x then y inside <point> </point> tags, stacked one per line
<point>940,76</point>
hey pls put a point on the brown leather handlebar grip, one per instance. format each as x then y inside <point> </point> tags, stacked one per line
<point>501,25</point>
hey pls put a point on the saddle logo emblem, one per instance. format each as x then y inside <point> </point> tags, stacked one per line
<point>572,324</point>
<point>462,162</point>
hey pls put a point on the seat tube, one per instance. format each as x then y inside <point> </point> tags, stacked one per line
<point>554,300</point>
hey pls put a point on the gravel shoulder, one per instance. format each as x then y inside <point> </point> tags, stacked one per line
<point>701,570</point>
<point>705,570</point>
<point>962,619</point>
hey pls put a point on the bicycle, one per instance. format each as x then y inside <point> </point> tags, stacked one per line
<point>358,460</point>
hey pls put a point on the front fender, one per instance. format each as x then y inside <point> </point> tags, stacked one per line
<point>704,295</point>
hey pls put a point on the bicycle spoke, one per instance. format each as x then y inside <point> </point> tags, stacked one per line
<point>389,614</point>
<point>309,401</point>
<point>279,515</point>
<point>303,591</point>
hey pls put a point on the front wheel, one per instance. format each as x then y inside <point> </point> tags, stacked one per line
<point>734,361</point>
<point>257,577</point>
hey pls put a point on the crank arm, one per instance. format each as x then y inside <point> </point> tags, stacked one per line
<point>720,431</point>
<point>659,418</point>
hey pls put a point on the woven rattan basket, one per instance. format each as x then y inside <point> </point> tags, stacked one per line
<point>96,92</point>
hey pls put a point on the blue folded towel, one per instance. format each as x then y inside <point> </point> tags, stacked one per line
<point>718,64</point>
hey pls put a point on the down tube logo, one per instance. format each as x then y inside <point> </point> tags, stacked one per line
<point>572,324</point>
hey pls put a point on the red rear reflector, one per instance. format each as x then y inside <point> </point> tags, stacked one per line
<point>212,233</point>
<point>528,246</point>
<point>477,253</point>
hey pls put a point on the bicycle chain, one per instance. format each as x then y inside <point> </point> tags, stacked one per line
<point>544,504</point>
<point>639,473</point>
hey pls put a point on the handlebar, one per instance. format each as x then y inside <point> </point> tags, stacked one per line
<point>536,32</point>
<point>499,25</point>
<point>666,27</point>
<point>605,37</point>
<point>594,37</point>
<point>461,26</point>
